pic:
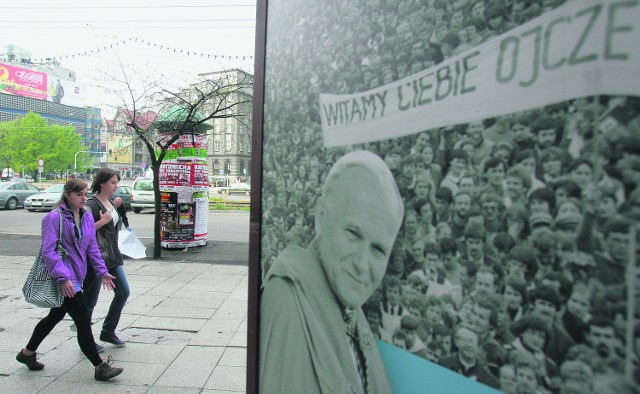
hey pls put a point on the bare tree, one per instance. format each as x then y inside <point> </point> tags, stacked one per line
<point>158,115</point>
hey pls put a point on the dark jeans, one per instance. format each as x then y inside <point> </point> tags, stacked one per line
<point>76,307</point>
<point>120,295</point>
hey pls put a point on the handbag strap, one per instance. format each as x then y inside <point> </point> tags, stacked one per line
<point>61,248</point>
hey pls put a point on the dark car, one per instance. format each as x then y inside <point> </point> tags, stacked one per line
<point>123,192</point>
<point>13,194</point>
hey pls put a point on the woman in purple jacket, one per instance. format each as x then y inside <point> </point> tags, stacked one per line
<point>78,238</point>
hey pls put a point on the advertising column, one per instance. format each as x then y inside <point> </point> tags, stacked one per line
<point>184,193</point>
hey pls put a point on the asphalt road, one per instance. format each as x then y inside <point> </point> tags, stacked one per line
<point>228,240</point>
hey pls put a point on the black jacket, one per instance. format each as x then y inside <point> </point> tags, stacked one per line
<point>107,235</point>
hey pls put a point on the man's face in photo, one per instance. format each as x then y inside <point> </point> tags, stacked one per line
<point>539,206</point>
<point>462,204</point>
<point>495,175</point>
<point>474,248</point>
<point>514,187</point>
<point>422,190</point>
<point>617,245</point>
<point>410,335</point>
<point>393,295</point>
<point>546,138</point>
<point>512,297</point>
<point>490,210</point>
<point>552,167</point>
<point>441,205</point>
<point>507,378</point>
<point>467,342</point>
<point>534,339</point>
<point>602,339</point>
<point>485,282</point>
<point>373,318</point>
<point>545,309</point>
<point>353,244</point>
<point>605,207</point>
<point>458,165</point>
<point>516,268</point>
<point>526,378</point>
<point>482,319</point>
<point>393,160</point>
<point>445,341</point>
<point>579,303</point>
<point>465,314</point>
<point>467,184</point>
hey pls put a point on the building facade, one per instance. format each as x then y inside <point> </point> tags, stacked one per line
<point>124,152</point>
<point>50,91</point>
<point>229,141</point>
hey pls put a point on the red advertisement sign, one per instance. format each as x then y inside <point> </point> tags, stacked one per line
<point>22,82</point>
<point>183,174</point>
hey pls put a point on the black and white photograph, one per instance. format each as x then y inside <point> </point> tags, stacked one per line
<point>510,131</point>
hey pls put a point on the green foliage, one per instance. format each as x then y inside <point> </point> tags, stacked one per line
<point>219,204</point>
<point>25,140</point>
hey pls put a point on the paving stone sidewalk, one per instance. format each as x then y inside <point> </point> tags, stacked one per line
<point>184,323</point>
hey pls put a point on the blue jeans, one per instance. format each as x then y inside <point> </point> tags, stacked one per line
<point>120,295</point>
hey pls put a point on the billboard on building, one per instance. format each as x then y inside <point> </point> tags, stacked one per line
<point>23,82</point>
<point>119,148</point>
<point>42,86</point>
<point>511,131</point>
<point>63,91</point>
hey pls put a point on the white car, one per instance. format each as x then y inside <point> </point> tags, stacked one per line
<point>142,195</point>
<point>236,188</point>
<point>46,200</point>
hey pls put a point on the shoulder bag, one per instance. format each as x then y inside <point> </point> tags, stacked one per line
<point>40,288</point>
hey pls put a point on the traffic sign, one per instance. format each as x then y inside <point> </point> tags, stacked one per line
<point>40,162</point>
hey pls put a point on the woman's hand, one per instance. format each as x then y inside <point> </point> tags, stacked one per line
<point>68,289</point>
<point>105,217</point>
<point>107,282</point>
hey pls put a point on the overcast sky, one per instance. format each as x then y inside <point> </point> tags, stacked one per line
<point>154,33</point>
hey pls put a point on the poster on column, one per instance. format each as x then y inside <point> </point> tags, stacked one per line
<point>184,216</point>
<point>175,174</point>
<point>450,197</point>
<point>188,147</point>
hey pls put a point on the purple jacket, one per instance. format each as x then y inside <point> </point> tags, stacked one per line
<point>79,252</point>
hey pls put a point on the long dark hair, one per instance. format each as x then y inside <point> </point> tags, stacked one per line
<point>103,175</point>
<point>72,186</point>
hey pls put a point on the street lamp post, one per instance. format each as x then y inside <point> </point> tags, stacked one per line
<point>75,160</point>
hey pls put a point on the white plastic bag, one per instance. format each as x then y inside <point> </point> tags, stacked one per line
<point>130,245</point>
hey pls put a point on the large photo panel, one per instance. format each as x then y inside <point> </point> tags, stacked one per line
<point>449,197</point>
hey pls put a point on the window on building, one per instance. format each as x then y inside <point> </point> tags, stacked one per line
<point>216,146</point>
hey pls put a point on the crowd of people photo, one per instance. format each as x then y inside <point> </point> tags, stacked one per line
<point>512,264</point>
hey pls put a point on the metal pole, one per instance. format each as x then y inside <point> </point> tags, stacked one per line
<point>75,159</point>
<point>631,297</point>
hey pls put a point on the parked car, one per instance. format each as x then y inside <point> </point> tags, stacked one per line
<point>124,191</point>
<point>142,195</point>
<point>46,200</point>
<point>236,188</point>
<point>25,179</point>
<point>13,194</point>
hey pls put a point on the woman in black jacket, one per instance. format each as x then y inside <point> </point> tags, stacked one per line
<point>107,219</point>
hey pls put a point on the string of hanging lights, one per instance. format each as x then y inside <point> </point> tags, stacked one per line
<point>140,41</point>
